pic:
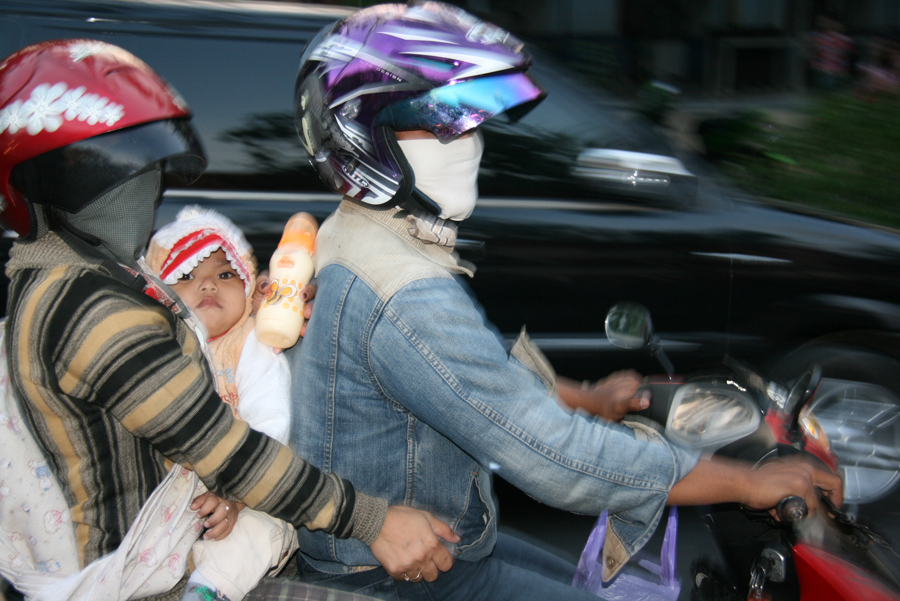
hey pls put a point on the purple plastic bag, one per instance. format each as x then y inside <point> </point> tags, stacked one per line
<point>641,579</point>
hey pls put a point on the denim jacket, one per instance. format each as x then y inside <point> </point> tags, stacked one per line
<point>401,387</point>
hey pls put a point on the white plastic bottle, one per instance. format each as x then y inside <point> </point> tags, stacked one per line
<point>280,315</point>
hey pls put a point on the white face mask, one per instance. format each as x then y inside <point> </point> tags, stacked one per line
<point>447,172</point>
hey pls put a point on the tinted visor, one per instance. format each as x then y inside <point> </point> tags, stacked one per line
<point>72,176</point>
<point>456,108</point>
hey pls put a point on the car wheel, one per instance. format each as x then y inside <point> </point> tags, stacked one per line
<point>858,405</point>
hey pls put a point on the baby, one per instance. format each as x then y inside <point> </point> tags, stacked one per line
<point>207,261</point>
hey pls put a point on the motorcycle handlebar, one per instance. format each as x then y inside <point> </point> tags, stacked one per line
<point>661,394</point>
<point>792,509</point>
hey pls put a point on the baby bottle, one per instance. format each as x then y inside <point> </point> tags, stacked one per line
<point>280,316</point>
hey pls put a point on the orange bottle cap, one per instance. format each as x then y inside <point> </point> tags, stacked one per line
<point>300,230</point>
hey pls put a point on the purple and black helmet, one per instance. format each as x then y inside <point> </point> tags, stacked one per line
<point>393,67</point>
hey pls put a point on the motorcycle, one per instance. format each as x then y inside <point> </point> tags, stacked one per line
<point>733,411</point>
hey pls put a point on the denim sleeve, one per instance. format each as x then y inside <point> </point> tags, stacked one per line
<point>447,368</point>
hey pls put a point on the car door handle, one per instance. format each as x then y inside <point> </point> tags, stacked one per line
<point>473,249</point>
<point>744,258</point>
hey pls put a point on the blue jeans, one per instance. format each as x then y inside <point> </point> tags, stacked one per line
<point>514,571</point>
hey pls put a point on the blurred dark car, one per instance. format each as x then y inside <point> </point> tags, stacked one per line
<point>582,205</point>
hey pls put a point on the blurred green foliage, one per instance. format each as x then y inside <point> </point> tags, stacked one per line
<point>841,154</point>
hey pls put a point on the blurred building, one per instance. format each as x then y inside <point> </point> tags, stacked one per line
<point>710,46</point>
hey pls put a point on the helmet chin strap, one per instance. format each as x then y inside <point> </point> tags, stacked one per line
<point>421,202</point>
<point>431,228</point>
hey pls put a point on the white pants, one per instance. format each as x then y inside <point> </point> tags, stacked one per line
<point>258,545</point>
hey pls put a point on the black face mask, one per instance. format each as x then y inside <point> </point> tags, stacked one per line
<point>120,221</point>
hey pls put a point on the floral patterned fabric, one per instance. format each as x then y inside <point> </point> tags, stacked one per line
<point>38,554</point>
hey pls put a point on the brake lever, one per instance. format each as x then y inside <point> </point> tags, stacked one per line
<point>848,520</point>
<point>842,517</point>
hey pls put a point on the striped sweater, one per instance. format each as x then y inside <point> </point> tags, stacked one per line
<point>115,386</point>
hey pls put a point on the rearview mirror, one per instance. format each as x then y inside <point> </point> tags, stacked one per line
<point>628,325</point>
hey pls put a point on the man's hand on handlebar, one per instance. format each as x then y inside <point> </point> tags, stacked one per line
<point>611,398</point>
<point>792,476</point>
<point>720,480</point>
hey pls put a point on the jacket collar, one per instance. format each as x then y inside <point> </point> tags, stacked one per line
<point>401,223</point>
<point>54,249</point>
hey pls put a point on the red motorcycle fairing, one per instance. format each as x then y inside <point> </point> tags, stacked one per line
<point>825,576</point>
<point>779,425</point>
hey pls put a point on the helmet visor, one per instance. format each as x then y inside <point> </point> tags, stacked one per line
<point>72,176</point>
<point>456,108</point>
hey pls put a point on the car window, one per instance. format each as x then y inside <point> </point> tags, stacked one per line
<point>243,107</point>
<point>237,73</point>
<point>237,78</point>
<point>538,156</point>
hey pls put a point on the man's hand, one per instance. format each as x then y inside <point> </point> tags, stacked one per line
<point>611,398</point>
<point>307,294</point>
<point>792,476</point>
<point>409,545</point>
<point>221,515</point>
<point>720,480</point>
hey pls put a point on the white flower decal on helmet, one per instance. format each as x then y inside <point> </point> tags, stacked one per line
<point>12,118</point>
<point>41,109</point>
<point>72,100</point>
<point>82,50</point>
<point>112,113</point>
<point>49,107</point>
<point>90,108</point>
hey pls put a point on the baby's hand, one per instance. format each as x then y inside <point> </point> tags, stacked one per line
<point>221,515</point>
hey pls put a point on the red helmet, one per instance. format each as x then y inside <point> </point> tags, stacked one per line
<point>79,117</point>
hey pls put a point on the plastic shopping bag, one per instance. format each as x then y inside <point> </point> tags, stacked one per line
<point>641,579</point>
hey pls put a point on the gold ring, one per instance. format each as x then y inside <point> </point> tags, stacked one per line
<point>406,577</point>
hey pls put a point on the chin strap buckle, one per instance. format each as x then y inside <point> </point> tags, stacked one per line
<point>432,229</point>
